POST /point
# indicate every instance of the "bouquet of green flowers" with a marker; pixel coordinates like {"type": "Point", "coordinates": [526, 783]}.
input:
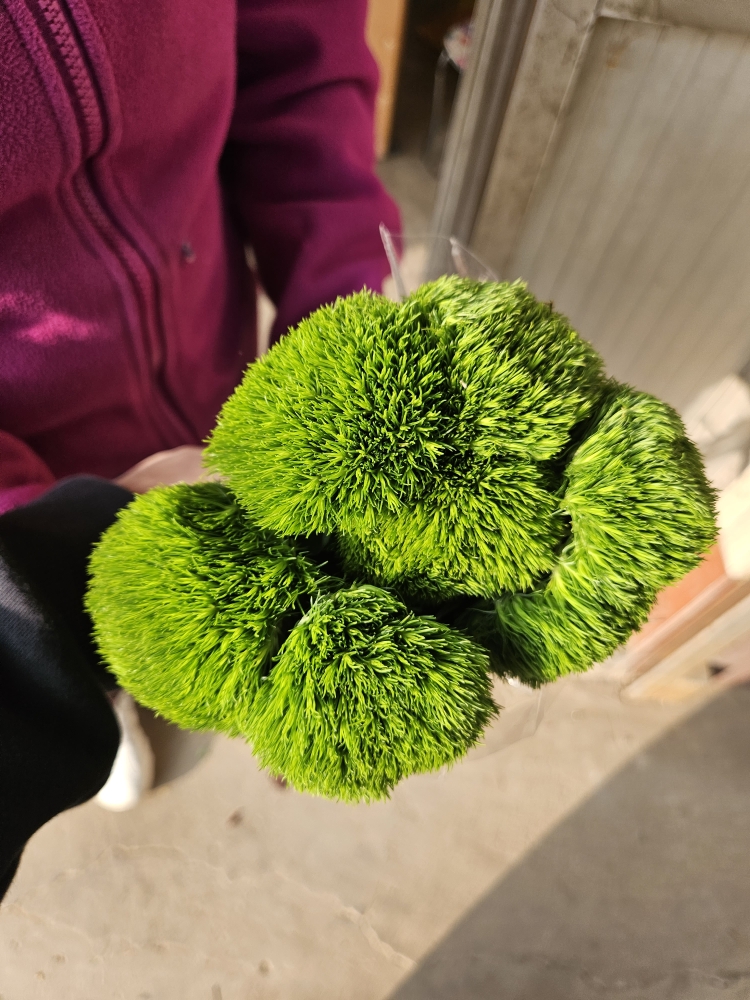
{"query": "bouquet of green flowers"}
{"type": "Point", "coordinates": [412, 496]}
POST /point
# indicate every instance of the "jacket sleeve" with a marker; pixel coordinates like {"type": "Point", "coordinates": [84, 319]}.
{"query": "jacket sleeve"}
{"type": "Point", "coordinates": [299, 164]}
{"type": "Point", "coordinates": [23, 475]}
{"type": "Point", "coordinates": [58, 735]}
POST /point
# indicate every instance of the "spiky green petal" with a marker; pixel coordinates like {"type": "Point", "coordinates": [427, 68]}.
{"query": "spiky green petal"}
{"type": "Point", "coordinates": [190, 601]}
{"type": "Point", "coordinates": [364, 693]}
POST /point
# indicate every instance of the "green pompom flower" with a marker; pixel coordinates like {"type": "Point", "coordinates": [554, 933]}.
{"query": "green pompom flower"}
{"type": "Point", "coordinates": [424, 435]}
{"type": "Point", "coordinates": [641, 514]}
{"type": "Point", "coordinates": [191, 600]}
{"type": "Point", "coordinates": [415, 494]}
{"type": "Point", "coordinates": [364, 693]}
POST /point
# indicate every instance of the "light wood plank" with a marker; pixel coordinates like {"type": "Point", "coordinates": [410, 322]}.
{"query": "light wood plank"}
{"type": "Point", "coordinates": [384, 32]}
{"type": "Point", "coordinates": [685, 672]}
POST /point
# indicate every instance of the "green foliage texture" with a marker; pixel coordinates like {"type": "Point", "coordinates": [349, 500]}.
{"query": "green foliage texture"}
{"type": "Point", "coordinates": [364, 692]}
{"type": "Point", "coordinates": [190, 600]}
{"type": "Point", "coordinates": [423, 435]}
{"type": "Point", "coordinates": [641, 514]}
{"type": "Point", "coordinates": [411, 494]}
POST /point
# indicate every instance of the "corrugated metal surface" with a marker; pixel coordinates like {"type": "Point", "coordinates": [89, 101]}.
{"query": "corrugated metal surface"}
{"type": "Point", "coordinates": [640, 227]}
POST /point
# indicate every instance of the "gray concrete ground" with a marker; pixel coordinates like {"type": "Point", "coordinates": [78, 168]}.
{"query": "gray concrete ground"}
{"type": "Point", "coordinates": [604, 857]}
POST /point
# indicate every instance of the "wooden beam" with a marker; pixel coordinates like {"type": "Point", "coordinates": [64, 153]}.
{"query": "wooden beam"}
{"type": "Point", "coordinates": [685, 672]}
{"type": "Point", "coordinates": [680, 613]}
{"type": "Point", "coordinates": [384, 31]}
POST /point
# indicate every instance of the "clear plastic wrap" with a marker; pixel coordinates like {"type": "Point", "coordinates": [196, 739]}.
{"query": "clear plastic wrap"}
{"type": "Point", "coordinates": [416, 259]}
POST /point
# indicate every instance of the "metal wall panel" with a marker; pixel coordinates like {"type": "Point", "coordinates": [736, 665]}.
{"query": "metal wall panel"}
{"type": "Point", "coordinates": [639, 228]}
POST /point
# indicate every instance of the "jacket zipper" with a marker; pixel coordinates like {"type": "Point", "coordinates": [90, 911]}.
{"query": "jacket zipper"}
{"type": "Point", "coordinates": [138, 280]}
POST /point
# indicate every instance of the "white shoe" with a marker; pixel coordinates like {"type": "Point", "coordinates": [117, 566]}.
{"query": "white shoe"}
{"type": "Point", "coordinates": [132, 773]}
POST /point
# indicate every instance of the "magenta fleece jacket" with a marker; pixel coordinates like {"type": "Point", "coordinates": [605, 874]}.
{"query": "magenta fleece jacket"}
{"type": "Point", "coordinates": [142, 144]}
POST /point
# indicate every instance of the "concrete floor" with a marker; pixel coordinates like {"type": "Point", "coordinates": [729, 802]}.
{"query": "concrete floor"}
{"type": "Point", "coordinates": [606, 856]}
{"type": "Point", "coordinates": [413, 186]}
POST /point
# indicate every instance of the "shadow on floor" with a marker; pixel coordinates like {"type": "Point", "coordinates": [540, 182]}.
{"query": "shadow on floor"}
{"type": "Point", "coordinates": [176, 751]}
{"type": "Point", "coordinates": [643, 893]}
